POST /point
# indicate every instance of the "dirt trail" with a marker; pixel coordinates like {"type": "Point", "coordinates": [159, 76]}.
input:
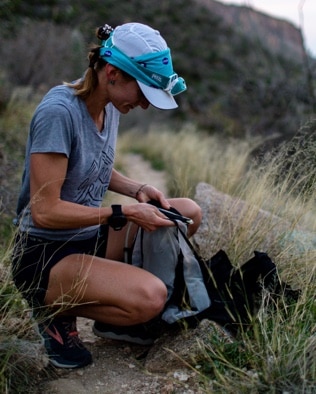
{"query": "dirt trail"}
{"type": "Point", "coordinates": [118, 367]}
{"type": "Point", "coordinates": [136, 168]}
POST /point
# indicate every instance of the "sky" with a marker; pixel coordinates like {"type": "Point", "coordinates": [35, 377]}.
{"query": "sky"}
{"type": "Point", "coordinates": [302, 13]}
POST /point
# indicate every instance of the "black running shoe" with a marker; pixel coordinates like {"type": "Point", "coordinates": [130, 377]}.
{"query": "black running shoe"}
{"type": "Point", "coordinates": [138, 334]}
{"type": "Point", "coordinates": [62, 343]}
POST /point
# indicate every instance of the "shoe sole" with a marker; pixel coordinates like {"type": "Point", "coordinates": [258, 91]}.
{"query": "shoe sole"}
{"type": "Point", "coordinates": [57, 364]}
{"type": "Point", "coordinates": [122, 337]}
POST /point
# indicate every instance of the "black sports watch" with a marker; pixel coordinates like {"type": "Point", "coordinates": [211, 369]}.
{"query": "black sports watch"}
{"type": "Point", "coordinates": [117, 220]}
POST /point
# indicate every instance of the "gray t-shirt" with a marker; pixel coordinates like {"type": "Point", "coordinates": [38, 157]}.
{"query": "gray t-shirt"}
{"type": "Point", "coordinates": [62, 124]}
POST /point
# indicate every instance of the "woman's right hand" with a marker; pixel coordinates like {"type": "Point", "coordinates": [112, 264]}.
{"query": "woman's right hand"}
{"type": "Point", "coordinates": [146, 216]}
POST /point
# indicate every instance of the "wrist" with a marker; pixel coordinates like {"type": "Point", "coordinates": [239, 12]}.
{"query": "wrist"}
{"type": "Point", "coordinates": [140, 190]}
{"type": "Point", "coordinates": [117, 220]}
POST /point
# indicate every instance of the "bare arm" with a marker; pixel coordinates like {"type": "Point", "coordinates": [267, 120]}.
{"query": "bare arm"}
{"type": "Point", "coordinates": [48, 173]}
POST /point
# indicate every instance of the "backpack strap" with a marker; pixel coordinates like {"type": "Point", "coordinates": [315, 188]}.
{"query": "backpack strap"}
{"type": "Point", "coordinates": [193, 276]}
{"type": "Point", "coordinates": [187, 241]}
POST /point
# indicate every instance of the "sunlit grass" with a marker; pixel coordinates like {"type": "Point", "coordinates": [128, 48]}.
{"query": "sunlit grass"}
{"type": "Point", "coordinates": [279, 354]}
{"type": "Point", "coordinates": [190, 156]}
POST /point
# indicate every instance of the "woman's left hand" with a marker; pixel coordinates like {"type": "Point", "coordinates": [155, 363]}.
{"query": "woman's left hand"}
{"type": "Point", "coordinates": [148, 192]}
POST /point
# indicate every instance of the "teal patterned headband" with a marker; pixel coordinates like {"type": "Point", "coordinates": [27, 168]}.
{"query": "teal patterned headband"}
{"type": "Point", "coordinates": [153, 69]}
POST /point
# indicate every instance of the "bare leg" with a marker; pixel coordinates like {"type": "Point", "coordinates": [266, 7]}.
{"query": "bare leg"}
{"type": "Point", "coordinates": [105, 290]}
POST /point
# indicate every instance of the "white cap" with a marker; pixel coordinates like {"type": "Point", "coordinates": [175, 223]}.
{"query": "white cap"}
{"type": "Point", "coordinates": [136, 39]}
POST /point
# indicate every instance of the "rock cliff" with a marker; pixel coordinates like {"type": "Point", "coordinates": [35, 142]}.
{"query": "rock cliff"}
{"type": "Point", "coordinates": [277, 35]}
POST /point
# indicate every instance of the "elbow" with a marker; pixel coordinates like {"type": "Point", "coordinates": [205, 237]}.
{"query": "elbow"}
{"type": "Point", "coordinates": [39, 219]}
{"type": "Point", "coordinates": [38, 222]}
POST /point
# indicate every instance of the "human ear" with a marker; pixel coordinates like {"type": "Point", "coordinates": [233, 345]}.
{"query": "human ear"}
{"type": "Point", "coordinates": [111, 73]}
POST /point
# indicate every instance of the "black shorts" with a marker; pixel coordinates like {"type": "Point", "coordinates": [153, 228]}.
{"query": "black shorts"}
{"type": "Point", "coordinates": [34, 257]}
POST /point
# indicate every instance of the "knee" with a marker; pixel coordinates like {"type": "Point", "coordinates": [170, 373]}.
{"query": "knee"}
{"type": "Point", "coordinates": [191, 209]}
{"type": "Point", "coordinates": [154, 297]}
{"type": "Point", "coordinates": [196, 212]}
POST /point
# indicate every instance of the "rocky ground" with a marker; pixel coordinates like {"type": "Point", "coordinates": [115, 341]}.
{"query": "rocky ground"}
{"type": "Point", "coordinates": [171, 365]}
{"type": "Point", "coordinates": [119, 367]}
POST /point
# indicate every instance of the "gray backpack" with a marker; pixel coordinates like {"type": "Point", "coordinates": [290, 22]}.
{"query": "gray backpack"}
{"type": "Point", "coordinates": [207, 289]}
{"type": "Point", "coordinates": [160, 252]}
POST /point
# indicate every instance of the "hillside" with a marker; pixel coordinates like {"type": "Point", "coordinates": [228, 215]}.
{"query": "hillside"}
{"type": "Point", "coordinates": [247, 73]}
{"type": "Point", "coordinates": [278, 36]}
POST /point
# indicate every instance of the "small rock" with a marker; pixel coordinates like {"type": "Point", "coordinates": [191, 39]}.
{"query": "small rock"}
{"type": "Point", "coordinates": [180, 375]}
